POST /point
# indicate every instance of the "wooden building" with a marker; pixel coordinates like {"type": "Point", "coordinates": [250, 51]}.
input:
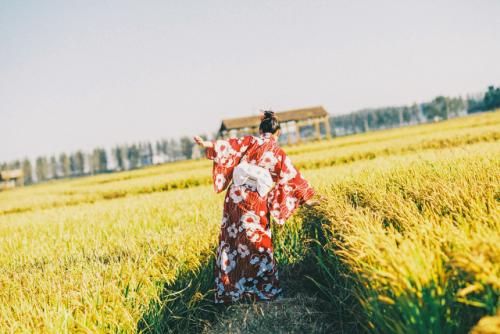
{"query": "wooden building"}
{"type": "Point", "coordinates": [11, 178]}
{"type": "Point", "coordinates": [294, 125]}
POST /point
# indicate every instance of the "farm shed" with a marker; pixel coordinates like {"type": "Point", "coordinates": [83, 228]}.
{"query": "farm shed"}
{"type": "Point", "coordinates": [11, 178]}
{"type": "Point", "coordinates": [294, 125]}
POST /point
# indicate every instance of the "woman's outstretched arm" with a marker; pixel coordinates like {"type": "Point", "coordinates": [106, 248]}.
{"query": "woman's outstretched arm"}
{"type": "Point", "coordinates": [203, 143]}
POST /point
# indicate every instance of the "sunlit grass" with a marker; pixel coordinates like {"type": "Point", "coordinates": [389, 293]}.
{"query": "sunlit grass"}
{"type": "Point", "coordinates": [410, 222]}
{"type": "Point", "coordinates": [422, 241]}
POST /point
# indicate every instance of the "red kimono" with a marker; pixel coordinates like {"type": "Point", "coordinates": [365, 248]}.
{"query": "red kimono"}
{"type": "Point", "coordinates": [245, 265]}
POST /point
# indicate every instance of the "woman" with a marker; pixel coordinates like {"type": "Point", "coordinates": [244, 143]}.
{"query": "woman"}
{"type": "Point", "coordinates": [262, 183]}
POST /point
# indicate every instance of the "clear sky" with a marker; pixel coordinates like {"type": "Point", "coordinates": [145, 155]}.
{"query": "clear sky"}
{"type": "Point", "coordinates": [80, 74]}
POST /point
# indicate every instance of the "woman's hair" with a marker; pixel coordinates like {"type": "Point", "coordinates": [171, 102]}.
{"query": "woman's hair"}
{"type": "Point", "coordinates": [269, 122]}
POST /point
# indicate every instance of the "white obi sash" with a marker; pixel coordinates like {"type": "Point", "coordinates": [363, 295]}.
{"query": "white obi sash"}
{"type": "Point", "coordinates": [254, 176]}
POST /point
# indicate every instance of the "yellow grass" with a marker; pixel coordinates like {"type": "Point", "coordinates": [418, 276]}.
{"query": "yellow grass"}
{"type": "Point", "coordinates": [93, 254]}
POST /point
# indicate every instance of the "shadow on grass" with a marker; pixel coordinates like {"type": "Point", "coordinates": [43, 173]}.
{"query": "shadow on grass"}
{"type": "Point", "coordinates": [186, 304]}
{"type": "Point", "coordinates": [358, 304]}
{"type": "Point", "coordinates": [305, 267]}
{"type": "Point", "coordinates": [329, 278]}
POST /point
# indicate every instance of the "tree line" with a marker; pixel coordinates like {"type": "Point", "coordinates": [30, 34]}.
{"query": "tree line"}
{"type": "Point", "coordinates": [131, 156]}
{"type": "Point", "coordinates": [99, 160]}
{"type": "Point", "coordinates": [440, 108]}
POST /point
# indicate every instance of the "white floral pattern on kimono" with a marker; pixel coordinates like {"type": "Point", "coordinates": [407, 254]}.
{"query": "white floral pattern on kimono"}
{"type": "Point", "coordinates": [245, 264]}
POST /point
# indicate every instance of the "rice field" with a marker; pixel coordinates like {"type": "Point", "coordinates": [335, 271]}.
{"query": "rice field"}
{"type": "Point", "coordinates": [406, 239]}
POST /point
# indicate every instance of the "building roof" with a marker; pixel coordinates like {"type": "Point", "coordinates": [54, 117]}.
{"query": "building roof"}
{"type": "Point", "coordinates": [11, 174]}
{"type": "Point", "coordinates": [283, 116]}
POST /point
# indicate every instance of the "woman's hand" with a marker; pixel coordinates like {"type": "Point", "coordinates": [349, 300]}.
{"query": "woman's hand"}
{"type": "Point", "coordinates": [311, 202]}
{"type": "Point", "coordinates": [315, 202]}
{"type": "Point", "coordinates": [203, 143]}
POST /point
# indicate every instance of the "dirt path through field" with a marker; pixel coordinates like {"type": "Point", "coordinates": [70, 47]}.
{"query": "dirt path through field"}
{"type": "Point", "coordinates": [298, 314]}
{"type": "Point", "coordinates": [301, 310]}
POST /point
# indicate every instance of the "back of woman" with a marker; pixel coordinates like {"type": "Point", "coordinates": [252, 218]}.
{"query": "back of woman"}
{"type": "Point", "coordinates": [262, 183]}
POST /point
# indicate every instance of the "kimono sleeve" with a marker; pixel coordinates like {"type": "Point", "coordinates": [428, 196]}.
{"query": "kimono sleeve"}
{"type": "Point", "coordinates": [290, 191]}
{"type": "Point", "coordinates": [226, 154]}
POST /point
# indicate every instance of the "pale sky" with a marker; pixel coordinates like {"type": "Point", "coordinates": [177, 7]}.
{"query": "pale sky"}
{"type": "Point", "coordinates": [80, 74]}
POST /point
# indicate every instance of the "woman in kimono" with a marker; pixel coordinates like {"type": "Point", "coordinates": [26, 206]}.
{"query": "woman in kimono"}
{"type": "Point", "coordinates": [265, 184]}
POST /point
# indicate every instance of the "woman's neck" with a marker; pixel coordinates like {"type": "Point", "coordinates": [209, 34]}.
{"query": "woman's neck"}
{"type": "Point", "coordinates": [269, 135]}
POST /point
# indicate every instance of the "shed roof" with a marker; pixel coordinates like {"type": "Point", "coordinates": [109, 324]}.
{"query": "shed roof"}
{"type": "Point", "coordinates": [283, 116]}
{"type": "Point", "coordinates": [11, 174]}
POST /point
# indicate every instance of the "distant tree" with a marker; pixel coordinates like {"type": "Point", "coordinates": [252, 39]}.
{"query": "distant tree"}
{"type": "Point", "coordinates": [53, 167]}
{"type": "Point", "coordinates": [159, 155]}
{"type": "Point", "coordinates": [89, 157]}
{"type": "Point", "coordinates": [125, 157]}
{"type": "Point", "coordinates": [437, 108]}
{"type": "Point", "coordinates": [65, 164]}
{"type": "Point", "coordinates": [87, 163]}
{"type": "Point", "coordinates": [133, 156]}
{"type": "Point", "coordinates": [142, 154]}
{"type": "Point", "coordinates": [173, 149]}
{"type": "Point", "coordinates": [103, 160]}
{"type": "Point", "coordinates": [407, 115]}
{"type": "Point", "coordinates": [27, 171]}
{"type": "Point", "coordinates": [94, 161]}
{"type": "Point", "coordinates": [99, 160]}
{"type": "Point", "coordinates": [492, 98]}
{"type": "Point", "coordinates": [16, 164]}
{"type": "Point", "coordinates": [117, 155]}
{"type": "Point", "coordinates": [165, 149]}
{"type": "Point", "coordinates": [366, 127]}
{"type": "Point", "coordinates": [159, 148]}
{"type": "Point", "coordinates": [186, 144]}
{"type": "Point", "coordinates": [430, 111]}
{"type": "Point", "coordinates": [41, 169]}
{"type": "Point", "coordinates": [475, 104]}
{"type": "Point", "coordinates": [72, 164]}
{"type": "Point", "coordinates": [443, 105]}
{"type": "Point", "coordinates": [149, 153]}
{"type": "Point", "coordinates": [456, 105]}
{"type": "Point", "coordinates": [415, 113]}
{"type": "Point", "coordinates": [79, 163]}
{"type": "Point", "coordinates": [146, 154]}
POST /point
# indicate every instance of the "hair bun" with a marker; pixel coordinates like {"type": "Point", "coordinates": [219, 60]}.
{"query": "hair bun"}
{"type": "Point", "coordinates": [268, 114]}
{"type": "Point", "coordinates": [269, 122]}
